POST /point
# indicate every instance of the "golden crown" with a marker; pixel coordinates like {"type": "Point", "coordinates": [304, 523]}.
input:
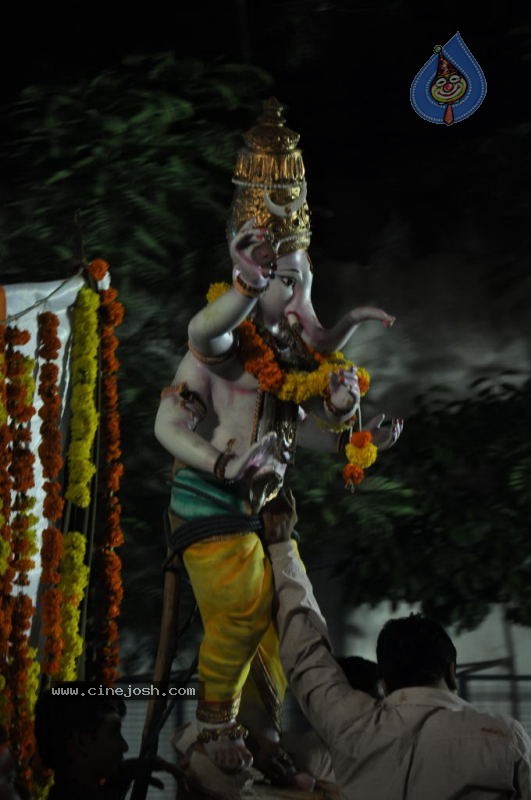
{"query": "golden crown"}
{"type": "Point", "coordinates": [270, 182]}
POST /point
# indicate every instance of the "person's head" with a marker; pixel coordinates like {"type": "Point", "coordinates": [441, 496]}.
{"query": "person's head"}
{"type": "Point", "coordinates": [362, 674]}
{"type": "Point", "coordinates": [415, 651]}
{"type": "Point", "coordinates": [79, 733]}
{"type": "Point", "coordinates": [7, 769]}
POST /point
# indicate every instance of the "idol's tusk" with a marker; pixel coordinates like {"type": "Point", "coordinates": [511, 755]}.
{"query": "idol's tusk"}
{"type": "Point", "coordinates": [288, 209]}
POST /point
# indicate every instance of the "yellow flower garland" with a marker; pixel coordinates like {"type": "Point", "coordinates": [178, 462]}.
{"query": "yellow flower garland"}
{"type": "Point", "coordinates": [363, 457]}
{"type": "Point", "coordinates": [84, 422]}
{"type": "Point", "coordinates": [73, 583]}
{"type": "Point", "coordinates": [300, 386]}
{"type": "Point", "coordinates": [296, 386]}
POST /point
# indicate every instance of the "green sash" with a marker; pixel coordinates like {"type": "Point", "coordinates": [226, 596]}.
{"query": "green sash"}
{"type": "Point", "coordinates": [195, 495]}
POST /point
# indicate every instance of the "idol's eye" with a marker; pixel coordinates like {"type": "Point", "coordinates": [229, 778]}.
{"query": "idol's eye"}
{"type": "Point", "coordinates": [440, 81]}
{"type": "Point", "coordinates": [453, 78]}
{"type": "Point", "coordinates": [288, 281]}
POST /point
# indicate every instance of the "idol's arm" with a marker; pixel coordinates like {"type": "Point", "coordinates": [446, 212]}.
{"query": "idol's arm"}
{"type": "Point", "coordinates": [182, 407]}
{"type": "Point", "coordinates": [210, 331]}
{"type": "Point", "coordinates": [311, 435]}
{"type": "Point", "coordinates": [324, 417]}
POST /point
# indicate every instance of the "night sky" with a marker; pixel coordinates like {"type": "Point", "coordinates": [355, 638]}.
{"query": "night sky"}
{"type": "Point", "coordinates": [434, 219]}
{"type": "Point", "coordinates": [344, 70]}
{"type": "Point", "coordinates": [429, 222]}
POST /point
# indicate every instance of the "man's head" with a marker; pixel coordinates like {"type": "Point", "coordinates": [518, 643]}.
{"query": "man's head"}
{"type": "Point", "coordinates": [362, 674]}
{"type": "Point", "coordinates": [415, 651]}
{"type": "Point", "coordinates": [80, 733]}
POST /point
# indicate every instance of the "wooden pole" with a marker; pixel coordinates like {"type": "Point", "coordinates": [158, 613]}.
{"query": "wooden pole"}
{"type": "Point", "coordinates": [161, 677]}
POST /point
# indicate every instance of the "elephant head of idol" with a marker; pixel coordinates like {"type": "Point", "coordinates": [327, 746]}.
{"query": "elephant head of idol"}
{"type": "Point", "coordinates": [270, 188]}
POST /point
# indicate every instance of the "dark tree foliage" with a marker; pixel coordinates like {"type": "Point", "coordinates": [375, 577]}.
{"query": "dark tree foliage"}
{"type": "Point", "coordinates": [146, 153]}
{"type": "Point", "coordinates": [451, 531]}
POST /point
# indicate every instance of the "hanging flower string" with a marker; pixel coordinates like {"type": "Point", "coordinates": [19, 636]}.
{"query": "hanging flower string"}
{"type": "Point", "coordinates": [361, 454]}
{"type": "Point", "coordinates": [84, 421]}
{"type": "Point", "coordinates": [5, 476]}
{"type": "Point", "coordinates": [24, 681]}
{"type": "Point", "coordinates": [72, 585]}
{"type": "Point", "coordinates": [50, 453]}
{"type": "Point", "coordinates": [6, 539]}
{"type": "Point", "coordinates": [107, 562]}
{"type": "Point", "coordinates": [297, 386]}
{"type": "Point", "coordinates": [22, 665]}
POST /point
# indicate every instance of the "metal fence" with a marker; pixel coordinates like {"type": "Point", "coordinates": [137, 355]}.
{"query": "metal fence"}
{"type": "Point", "coordinates": [499, 694]}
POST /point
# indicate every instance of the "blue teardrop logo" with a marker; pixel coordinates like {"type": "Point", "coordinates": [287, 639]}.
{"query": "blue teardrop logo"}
{"type": "Point", "coordinates": [450, 86]}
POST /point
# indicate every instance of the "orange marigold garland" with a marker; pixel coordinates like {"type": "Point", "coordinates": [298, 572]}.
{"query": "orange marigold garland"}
{"type": "Point", "coordinates": [24, 677]}
{"type": "Point", "coordinates": [296, 386]}
{"type": "Point", "coordinates": [50, 453]}
{"type": "Point", "coordinates": [98, 269]}
{"type": "Point", "coordinates": [6, 539]}
{"type": "Point", "coordinates": [22, 666]}
{"type": "Point", "coordinates": [108, 563]}
{"type": "Point", "coordinates": [20, 393]}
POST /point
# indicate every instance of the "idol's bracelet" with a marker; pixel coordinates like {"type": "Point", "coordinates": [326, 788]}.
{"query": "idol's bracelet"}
{"type": "Point", "coordinates": [336, 413]}
{"type": "Point", "coordinates": [247, 289]}
{"type": "Point", "coordinates": [221, 465]}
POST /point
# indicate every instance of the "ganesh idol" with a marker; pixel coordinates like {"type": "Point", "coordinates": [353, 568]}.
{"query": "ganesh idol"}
{"type": "Point", "coordinates": [261, 378]}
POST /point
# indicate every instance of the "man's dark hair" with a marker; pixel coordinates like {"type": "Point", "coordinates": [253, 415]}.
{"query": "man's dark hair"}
{"type": "Point", "coordinates": [361, 673]}
{"type": "Point", "coordinates": [59, 716]}
{"type": "Point", "coordinates": [414, 651]}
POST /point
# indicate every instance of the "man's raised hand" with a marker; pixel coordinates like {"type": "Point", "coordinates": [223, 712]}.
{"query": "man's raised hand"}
{"type": "Point", "coordinates": [279, 517]}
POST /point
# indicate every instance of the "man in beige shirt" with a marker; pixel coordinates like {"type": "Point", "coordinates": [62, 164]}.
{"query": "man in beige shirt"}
{"type": "Point", "coordinates": [421, 742]}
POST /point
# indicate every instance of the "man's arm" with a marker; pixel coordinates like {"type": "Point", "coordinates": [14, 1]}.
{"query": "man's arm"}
{"type": "Point", "coordinates": [315, 677]}
{"type": "Point", "coordinates": [521, 745]}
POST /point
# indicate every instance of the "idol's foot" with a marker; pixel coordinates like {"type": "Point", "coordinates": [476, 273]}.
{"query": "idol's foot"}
{"type": "Point", "coordinates": [278, 766]}
{"type": "Point", "coordinates": [226, 748]}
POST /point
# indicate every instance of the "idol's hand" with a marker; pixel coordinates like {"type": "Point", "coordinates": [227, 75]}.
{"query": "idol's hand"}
{"type": "Point", "coordinates": [384, 437]}
{"type": "Point", "coordinates": [260, 456]}
{"type": "Point", "coordinates": [252, 255]}
{"type": "Point", "coordinates": [343, 395]}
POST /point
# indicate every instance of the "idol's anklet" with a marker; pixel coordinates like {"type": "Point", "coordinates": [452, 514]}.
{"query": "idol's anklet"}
{"type": "Point", "coordinates": [232, 732]}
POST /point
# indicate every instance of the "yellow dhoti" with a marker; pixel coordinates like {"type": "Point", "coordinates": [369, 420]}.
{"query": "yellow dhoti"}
{"type": "Point", "coordinates": [232, 581]}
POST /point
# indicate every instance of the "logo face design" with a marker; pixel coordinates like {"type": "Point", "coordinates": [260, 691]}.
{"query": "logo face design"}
{"type": "Point", "coordinates": [450, 86]}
